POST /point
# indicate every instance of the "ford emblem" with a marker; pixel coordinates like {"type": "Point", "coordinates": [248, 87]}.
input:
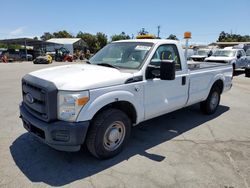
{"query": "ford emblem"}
{"type": "Point", "coordinates": [29, 98]}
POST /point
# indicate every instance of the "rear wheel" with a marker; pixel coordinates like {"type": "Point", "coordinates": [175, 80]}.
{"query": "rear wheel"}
{"type": "Point", "coordinates": [210, 105]}
{"type": "Point", "coordinates": [108, 133]}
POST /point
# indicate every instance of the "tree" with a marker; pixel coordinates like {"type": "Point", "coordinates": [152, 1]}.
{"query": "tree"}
{"type": "Point", "coordinates": [142, 32]}
{"type": "Point", "coordinates": [47, 36]}
{"type": "Point", "coordinates": [35, 38]}
{"type": "Point", "coordinates": [172, 37]}
{"type": "Point", "coordinates": [226, 37]}
{"type": "Point", "coordinates": [3, 45]}
{"type": "Point", "coordinates": [90, 39]}
{"type": "Point", "coordinates": [62, 34]}
{"type": "Point", "coordinates": [59, 34]}
{"type": "Point", "coordinates": [121, 36]}
{"type": "Point", "coordinates": [222, 36]}
{"type": "Point", "coordinates": [10, 46]}
{"type": "Point", "coordinates": [102, 40]}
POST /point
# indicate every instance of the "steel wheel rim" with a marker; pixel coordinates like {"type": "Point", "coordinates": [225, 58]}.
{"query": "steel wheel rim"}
{"type": "Point", "coordinates": [114, 136]}
{"type": "Point", "coordinates": [214, 100]}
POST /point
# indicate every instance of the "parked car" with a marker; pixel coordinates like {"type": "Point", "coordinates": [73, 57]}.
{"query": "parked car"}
{"type": "Point", "coordinates": [248, 55]}
{"type": "Point", "coordinates": [11, 54]}
{"type": "Point", "coordinates": [245, 47]}
{"type": "Point", "coordinates": [236, 57]}
{"type": "Point", "coordinates": [247, 70]}
{"type": "Point", "coordinates": [16, 55]}
{"type": "Point", "coordinates": [27, 57]}
{"type": "Point", "coordinates": [125, 83]}
{"type": "Point", "coordinates": [201, 54]}
{"type": "Point", "coordinates": [46, 59]}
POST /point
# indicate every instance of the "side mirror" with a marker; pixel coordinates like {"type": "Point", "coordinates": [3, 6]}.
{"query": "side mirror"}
{"type": "Point", "coordinates": [167, 70]}
{"type": "Point", "coordinates": [238, 56]}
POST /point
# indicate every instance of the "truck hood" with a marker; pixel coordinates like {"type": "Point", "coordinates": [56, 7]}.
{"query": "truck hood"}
{"type": "Point", "coordinates": [218, 58]}
{"type": "Point", "coordinates": [82, 76]}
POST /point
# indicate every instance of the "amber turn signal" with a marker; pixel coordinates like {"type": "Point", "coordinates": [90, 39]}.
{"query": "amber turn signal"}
{"type": "Point", "coordinates": [82, 101]}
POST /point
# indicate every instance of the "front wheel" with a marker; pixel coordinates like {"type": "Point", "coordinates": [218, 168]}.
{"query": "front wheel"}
{"type": "Point", "coordinates": [210, 105]}
{"type": "Point", "coordinates": [108, 133]}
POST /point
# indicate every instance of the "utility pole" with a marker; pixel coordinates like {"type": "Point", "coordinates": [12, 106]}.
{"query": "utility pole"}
{"type": "Point", "coordinates": [158, 32]}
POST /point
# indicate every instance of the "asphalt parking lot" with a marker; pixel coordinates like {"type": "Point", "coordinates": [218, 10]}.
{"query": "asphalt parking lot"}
{"type": "Point", "coordinates": [180, 149]}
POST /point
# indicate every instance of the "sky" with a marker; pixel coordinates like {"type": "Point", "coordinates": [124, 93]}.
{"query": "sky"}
{"type": "Point", "coordinates": [205, 19]}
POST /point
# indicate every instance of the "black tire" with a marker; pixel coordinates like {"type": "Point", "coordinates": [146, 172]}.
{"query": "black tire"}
{"type": "Point", "coordinates": [58, 59]}
{"type": "Point", "coordinates": [210, 105]}
{"type": "Point", "coordinates": [247, 72]}
{"type": "Point", "coordinates": [101, 128]}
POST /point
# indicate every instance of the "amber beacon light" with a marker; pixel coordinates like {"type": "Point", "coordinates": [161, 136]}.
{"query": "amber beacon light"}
{"type": "Point", "coordinates": [187, 35]}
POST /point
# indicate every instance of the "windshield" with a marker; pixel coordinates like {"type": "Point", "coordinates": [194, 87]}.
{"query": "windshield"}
{"type": "Point", "coordinates": [202, 52]}
{"type": "Point", "coordinates": [127, 55]}
{"type": "Point", "coordinates": [224, 53]}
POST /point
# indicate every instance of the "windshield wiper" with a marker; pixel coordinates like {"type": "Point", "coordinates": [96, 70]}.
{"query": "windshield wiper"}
{"type": "Point", "coordinates": [107, 65]}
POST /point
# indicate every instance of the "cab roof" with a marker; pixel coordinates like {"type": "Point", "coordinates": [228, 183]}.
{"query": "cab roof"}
{"type": "Point", "coordinates": [154, 41]}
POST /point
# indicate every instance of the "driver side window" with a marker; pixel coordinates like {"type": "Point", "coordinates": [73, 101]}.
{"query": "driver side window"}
{"type": "Point", "coordinates": [167, 52]}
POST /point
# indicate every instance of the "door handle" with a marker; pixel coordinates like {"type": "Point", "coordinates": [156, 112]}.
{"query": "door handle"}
{"type": "Point", "coordinates": [183, 80]}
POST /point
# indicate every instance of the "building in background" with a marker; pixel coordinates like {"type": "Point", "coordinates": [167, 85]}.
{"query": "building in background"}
{"type": "Point", "coordinates": [24, 48]}
{"type": "Point", "coordinates": [243, 45]}
{"type": "Point", "coordinates": [72, 44]}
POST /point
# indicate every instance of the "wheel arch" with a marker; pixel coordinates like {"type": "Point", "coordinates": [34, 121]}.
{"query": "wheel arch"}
{"type": "Point", "coordinates": [122, 100]}
{"type": "Point", "coordinates": [124, 106]}
{"type": "Point", "coordinates": [218, 83]}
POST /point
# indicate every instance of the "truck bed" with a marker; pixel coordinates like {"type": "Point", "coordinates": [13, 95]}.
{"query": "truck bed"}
{"type": "Point", "coordinates": [194, 65]}
{"type": "Point", "coordinates": [203, 75]}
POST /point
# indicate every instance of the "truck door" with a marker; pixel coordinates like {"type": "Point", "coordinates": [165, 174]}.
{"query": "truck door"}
{"type": "Point", "coordinates": [240, 61]}
{"type": "Point", "coordinates": [243, 59]}
{"type": "Point", "coordinates": [162, 96]}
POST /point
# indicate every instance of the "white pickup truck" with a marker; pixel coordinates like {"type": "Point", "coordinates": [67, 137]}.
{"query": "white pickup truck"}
{"type": "Point", "coordinates": [125, 83]}
{"type": "Point", "coordinates": [201, 54]}
{"type": "Point", "coordinates": [235, 57]}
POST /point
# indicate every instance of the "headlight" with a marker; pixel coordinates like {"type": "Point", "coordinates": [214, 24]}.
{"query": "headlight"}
{"type": "Point", "coordinates": [69, 104]}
